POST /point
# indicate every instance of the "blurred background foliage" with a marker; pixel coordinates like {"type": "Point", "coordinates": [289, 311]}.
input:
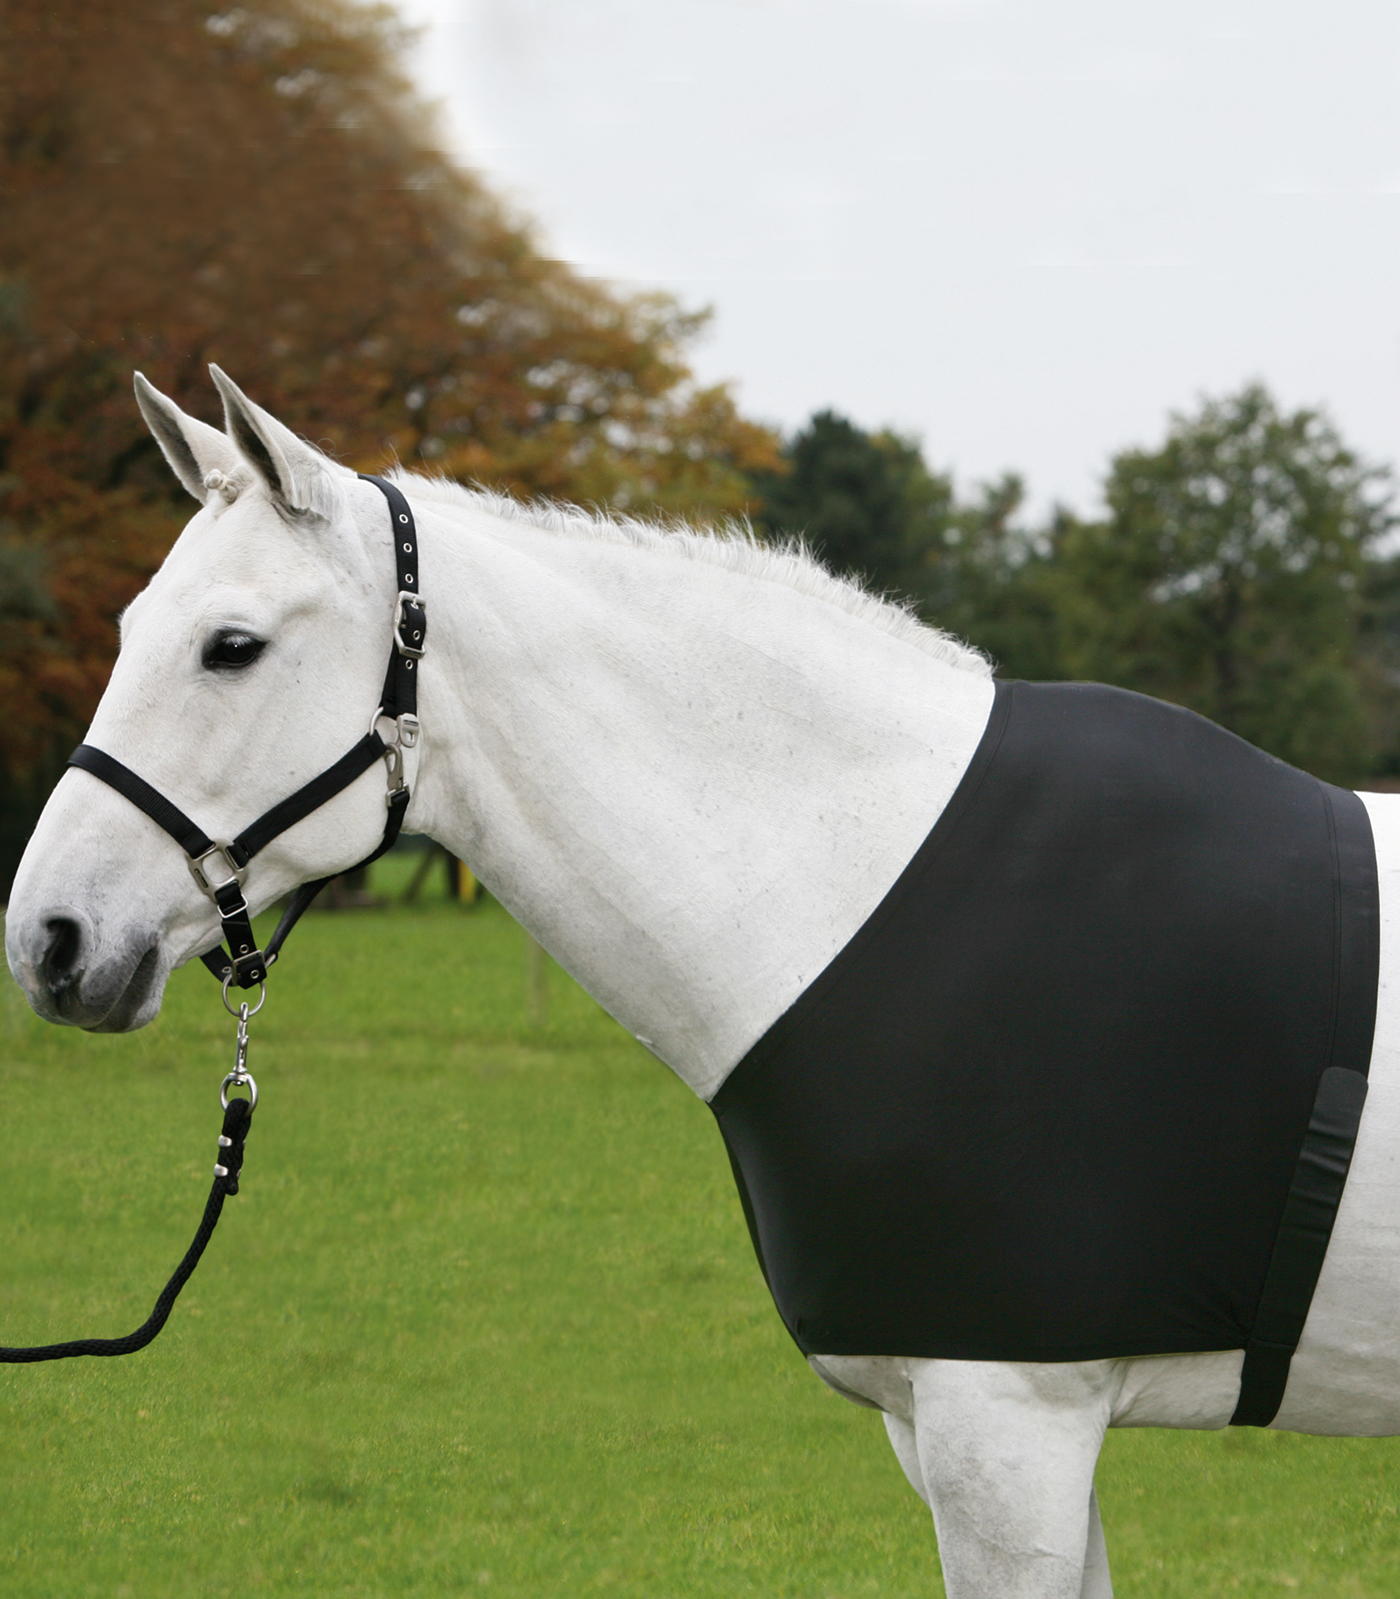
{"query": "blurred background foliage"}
{"type": "Point", "coordinates": [1245, 568]}
{"type": "Point", "coordinates": [259, 186]}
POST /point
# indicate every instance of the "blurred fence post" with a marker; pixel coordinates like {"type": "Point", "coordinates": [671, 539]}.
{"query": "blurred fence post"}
{"type": "Point", "coordinates": [461, 883]}
{"type": "Point", "coordinates": [420, 874]}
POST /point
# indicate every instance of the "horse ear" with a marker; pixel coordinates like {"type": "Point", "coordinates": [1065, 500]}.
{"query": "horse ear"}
{"type": "Point", "coordinates": [301, 481]}
{"type": "Point", "coordinates": [193, 448]}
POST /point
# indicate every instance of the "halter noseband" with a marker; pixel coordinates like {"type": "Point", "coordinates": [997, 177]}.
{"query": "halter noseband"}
{"type": "Point", "coordinates": [219, 867]}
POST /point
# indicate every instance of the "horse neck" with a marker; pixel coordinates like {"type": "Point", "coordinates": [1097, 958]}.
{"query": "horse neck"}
{"type": "Point", "coordinates": [691, 785]}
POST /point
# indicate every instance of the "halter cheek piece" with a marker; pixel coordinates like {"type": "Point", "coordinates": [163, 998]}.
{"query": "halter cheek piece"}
{"type": "Point", "coordinates": [219, 867]}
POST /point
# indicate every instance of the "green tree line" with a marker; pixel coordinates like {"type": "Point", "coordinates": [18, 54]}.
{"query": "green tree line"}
{"type": "Point", "coordinates": [1242, 568]}
{"type": "Point", "coordinates": [259, 185]}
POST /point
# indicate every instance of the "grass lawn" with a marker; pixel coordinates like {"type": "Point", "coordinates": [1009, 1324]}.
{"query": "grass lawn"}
{"type": "Point", "coordinates": [485, 1318]}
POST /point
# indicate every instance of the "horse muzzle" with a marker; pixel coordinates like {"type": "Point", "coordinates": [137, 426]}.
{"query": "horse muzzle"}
{"type": "Point", "coordinates": [68, 976]}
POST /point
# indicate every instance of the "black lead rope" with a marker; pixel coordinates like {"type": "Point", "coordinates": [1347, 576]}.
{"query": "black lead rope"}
{"type": "Point", "coordinates": [237, 1118]}
{"type": "Point", "coordinates": [246, 966]}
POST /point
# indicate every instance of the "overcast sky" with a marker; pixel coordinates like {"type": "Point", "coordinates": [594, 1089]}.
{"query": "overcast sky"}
{"type": "Point", "coordinates": [1021, 231]}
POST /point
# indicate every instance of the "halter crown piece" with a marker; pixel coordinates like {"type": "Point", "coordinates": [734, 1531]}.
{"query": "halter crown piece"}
{"type": "Point", "coordinates": [218, 866]}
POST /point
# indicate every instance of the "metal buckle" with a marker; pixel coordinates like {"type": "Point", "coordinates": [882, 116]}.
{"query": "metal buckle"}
{"type": "Point", "coordinates": [406, 598]}
{"type": "Point", "coordinates": [407, 730]}
{"type": "Point", "coordinates": [201, 877]}
{"type": "Point", "coordinates": [254, 958]}
{"type": "Point", "coordinates": [228, 912]}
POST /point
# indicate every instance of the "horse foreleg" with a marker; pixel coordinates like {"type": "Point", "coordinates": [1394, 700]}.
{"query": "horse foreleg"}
{"type": "Point", "coordinates": [1097, 1583]}
{"type": "Point", "coordinates": [1006, 1456]}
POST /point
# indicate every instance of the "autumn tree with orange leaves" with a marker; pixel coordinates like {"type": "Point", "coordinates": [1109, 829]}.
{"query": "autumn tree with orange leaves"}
{"type": "Point", "coordinates": [258, 186]}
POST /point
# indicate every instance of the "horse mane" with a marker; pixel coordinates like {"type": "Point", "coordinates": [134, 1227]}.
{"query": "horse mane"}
{"type": "Point", "coordinates": [731, 545]}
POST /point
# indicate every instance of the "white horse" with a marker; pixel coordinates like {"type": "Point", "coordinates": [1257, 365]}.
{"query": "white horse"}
{"type": "Point", "coordinates": [691, 767]}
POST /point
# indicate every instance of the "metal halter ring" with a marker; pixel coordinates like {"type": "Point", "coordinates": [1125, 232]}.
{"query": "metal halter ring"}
{"type": "Point", "coordinates": [236, 873]}
{"type": "Point", "coordinates": [239, 1080]}
{"type": "Point", "coordinates": [243, 1007]}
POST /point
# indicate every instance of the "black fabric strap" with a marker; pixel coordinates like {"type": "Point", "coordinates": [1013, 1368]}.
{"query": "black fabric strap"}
{"type": "Point", "coordinates": [1321, 1173]}
{"type": "Point", "coordinates": [310, 797]}
{"type": "Point", "coordinates": [141, 794]}
{"type": "Point", "coordinates": [248, 964]}
{"type": "Point", "coordinates": [1301, 1245]}
{"type": "Point", "coordinates": [243, 962]}
{"type": "Point", "coordinates": [300, 901]}
{"type": "Point", "coordinates": [237, 1118]}
{"type": "Point", "coordinates": [400, 696]}
{"type": "Point", "coordinates": [218, 962]}
{"type": "Point", "coordinates": [254, 966]}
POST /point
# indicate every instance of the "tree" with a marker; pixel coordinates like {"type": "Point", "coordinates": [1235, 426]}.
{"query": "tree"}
{"type": "Point", "coordinates": [864, 502]}
{"type": "Point", "coordinates": [991, 580]}
{"type": "Point", "coordinates": [1378, 661]}
{"type": "Point", "coordinates": [868, 504]}
{"type": "Point", "coordinates": [258, 186]}
{"type": "Point", "coordinates": [1227, 577]}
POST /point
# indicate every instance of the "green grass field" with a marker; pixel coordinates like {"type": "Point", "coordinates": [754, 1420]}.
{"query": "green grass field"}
{"type": "Point", "coordinates": [485, 1318]}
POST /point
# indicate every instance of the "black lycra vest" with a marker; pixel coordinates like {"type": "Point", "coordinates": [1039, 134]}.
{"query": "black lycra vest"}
{"type": "Point", "coordinates": [1063, 1096]}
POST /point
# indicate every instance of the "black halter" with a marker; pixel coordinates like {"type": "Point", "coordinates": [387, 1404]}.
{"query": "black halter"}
{"type": "Point", "coordinates": [219, 867]}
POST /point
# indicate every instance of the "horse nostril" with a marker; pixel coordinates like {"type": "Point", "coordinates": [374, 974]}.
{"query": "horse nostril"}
{"type": "Point", "coordinates": [60, 967]}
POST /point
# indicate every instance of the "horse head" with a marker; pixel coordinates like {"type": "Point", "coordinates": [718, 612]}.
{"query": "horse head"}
{"type": "Point", "coordinates": [249, 663]}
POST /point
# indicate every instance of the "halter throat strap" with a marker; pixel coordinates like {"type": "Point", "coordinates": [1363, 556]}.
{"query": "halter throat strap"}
{"type": "Point", "coordinates": [219, 867]}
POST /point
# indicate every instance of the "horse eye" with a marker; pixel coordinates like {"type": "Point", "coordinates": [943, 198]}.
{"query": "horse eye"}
{"type": "Point", "coordinates": [232, 650]}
